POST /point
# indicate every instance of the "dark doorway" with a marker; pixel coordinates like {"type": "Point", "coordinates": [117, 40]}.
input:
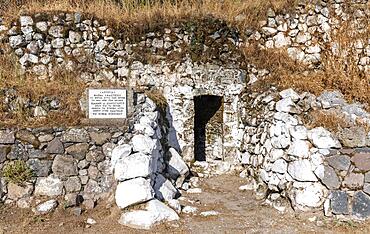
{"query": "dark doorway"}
{"type": "Point", "coordinates": [206, 106]}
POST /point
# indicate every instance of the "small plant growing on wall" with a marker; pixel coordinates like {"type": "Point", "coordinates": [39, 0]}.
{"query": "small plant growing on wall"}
{"type": "Point", "coordinates": [17, 172]}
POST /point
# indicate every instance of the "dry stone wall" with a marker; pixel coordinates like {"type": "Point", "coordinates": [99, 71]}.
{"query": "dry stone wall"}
{"type": "Point", "coordinates": [74, 162]}
{"type": "Point", "coordinates": [313, 168]}
{"type": "Point", "coordinates": [82, 166]}
{"type": "Point", "coordinates": [331, 27]}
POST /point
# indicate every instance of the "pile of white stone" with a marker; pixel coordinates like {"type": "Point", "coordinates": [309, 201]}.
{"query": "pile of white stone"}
{"type": "Point", "coordinates": [147, 173]}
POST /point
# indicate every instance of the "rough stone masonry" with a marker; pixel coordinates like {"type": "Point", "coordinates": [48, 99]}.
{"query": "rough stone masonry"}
{"type": "Point", "coordinates": [292, 164]}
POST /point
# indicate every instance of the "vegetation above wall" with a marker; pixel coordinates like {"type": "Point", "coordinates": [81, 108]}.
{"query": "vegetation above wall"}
{"type": "Point", "coordinates": [132, 20]}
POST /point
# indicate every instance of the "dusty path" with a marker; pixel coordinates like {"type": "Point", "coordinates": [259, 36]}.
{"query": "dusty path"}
{"type": "Point", "coordinates": [239, 212]}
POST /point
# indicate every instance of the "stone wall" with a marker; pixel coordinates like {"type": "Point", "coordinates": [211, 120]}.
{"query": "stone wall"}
{"type": "Point", "coordinates": [81, 166]}
{"type": "Point", "coordinates": [331, 27]}
{"type": "Point", "coordinates": [312, 167]}
{"type": "Point", "coordinates": [164, 59]}
{"type": "Point", "coordinates": [74, 162]}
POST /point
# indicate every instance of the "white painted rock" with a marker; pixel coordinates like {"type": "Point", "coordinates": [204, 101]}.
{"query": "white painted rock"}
{"type": "Point", "coordinates": [298, 132]}
{"type": "Point", "coordinates": [176, 165]}
{"type": "Point", "coordinates": [189, 210]}
{"type": "Point", "coordinates": [49, 186]}
{"type": "Point", "coordinates": [174, 204]}
{"type": "Point", "coordinates": [286, 118]}
{"type": "Point", "coordinates": [308, 195]}
{"type": "Point", "coordinates": [287, 105]}
{"type": "Point", "coordinates": [155, 213]}
{"type": "Point", "coordinates": [146, 129]}
{"type": "Point", "coordinates": [279, 166]}
{"type": "Point", "coordinates": [323, 139]}
{"type": "Point", "coordinates": [248, 187]}
{"type": "Point", "coordinates": [143, 144]}
{"type": "Point", "coordinates": [194, 190]}
{"type": "Point", "coordinates": [132, 166]}
{"type": "Point", "coordinates": [301, 170]}
{"type": "Point", "coordinates": [90, 221]}
{"type": "Point", "coordinates": [119, 152]}
{"type": "Point", "coordinates": [46, 207]}
{"type": "Point", "coordinates": [132, 192]}
{"type": "Point", "coordinates": [290, 93]}
{"type": "Point", "coordinates": [281, 40]}
{"type": "Point", "coordinates": [299, 148]}
{"type": "Point", "coordinates": [209, 213]}
{"type": "Point", "coordinates": [164, 189]}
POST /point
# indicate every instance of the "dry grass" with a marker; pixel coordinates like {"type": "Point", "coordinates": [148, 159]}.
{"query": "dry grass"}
{"type": "Point", "coordinates": [337, 71]}
{"type": "Point", "coordinates": [66, 87]}
{"type": "Point", "coordinates": [153, 13]}
{"type": "Point", "coordinates": [327, 119]}
{"type": "Point", "coordinates": [138, 16]}
{"type": "Point", "coordinates": [332, 120]}
{"type": "Point", "coordinates": [157, 97]}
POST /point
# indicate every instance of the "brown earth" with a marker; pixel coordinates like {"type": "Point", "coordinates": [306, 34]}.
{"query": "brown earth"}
{"type": "Point", "coordinates": [239, 212]}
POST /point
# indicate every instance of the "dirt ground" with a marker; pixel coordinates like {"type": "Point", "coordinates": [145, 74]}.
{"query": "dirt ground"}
{"type": "Point", "coordinates": [239, 212]}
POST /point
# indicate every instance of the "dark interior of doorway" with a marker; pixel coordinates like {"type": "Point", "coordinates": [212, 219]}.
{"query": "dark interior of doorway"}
{"type": "Point", "coordinates": [205, 107]}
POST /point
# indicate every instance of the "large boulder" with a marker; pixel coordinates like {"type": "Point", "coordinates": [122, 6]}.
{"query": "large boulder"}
{"type": "Point", "coordinates": [307, 195]}
{"type": "Point", "coordinates": [339, 202]}
{"type": "Point", "coordinates": [131, 192]}
{"type": "Point", "coordinates": [119, 152]}
{"type": "Point", "coordinates": [301, 170]}
{"type": "Point", "coordinates": [49, 186]}
{"type": "Point", "coordinates": [362, 161]}
{"type": "Point", "coordinates": [143, 144]}
{"type": "Point", "coordinates": [330, 178]}
{"type": "Point", "coordinates": [353, 181]}
{"type": "Point", "coordinates": [323, 139]}
{"type": "Point", "coordinates": [299, 148]}
{"type": "Point", "coordinates": [55, 147]}
{"type": "Point", "coordinates": [16, 192]}
{"type": "Point", "coordinates": [27, 137]}
{"type": "Point", "coordinates": [4, 151]}
{"type": "Point", "coordinates": [40, 168]}
{"type": "Point", "coordinates": [164, 189]}
{"type": "Point", "coordinates": [132, 166]}
{"type": "Point", "coordinates": [339, 162]}
{"type": "Point", "coordinates": [361, 205]}
{"type": "Point", "coordinates": [72, 184]}
{"type": "Point", "coordinates": [78, 150]}
{"type": "Point", "coordinates": [100, 138]}
{"type": "Point", "coordinates": [353, 137]}
{"type": "Point", "coordinates": [288, 106]}
{"type": "Point", "coordinates": [155, 213]}
{"type": "Point", "coordinates": [64, 165]}
{"type": "Point", "coordinates": [45, 207]}
{"type": "Point", "coordinates": [7, 137]}
{"type": "Point", "coordinates": [176, 165]}
{"type": "Point", "coordinates": [331, 99]}
{"type": "Point", "coordinates": [76, 135]}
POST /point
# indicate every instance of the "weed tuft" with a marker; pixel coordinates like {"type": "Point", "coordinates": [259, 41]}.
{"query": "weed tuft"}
{"type": "Point", "coordinates": [17, 172]}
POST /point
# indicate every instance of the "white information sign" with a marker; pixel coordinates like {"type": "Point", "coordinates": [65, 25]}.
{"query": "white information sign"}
{"type": "Point", "coordinates": [107, 103]}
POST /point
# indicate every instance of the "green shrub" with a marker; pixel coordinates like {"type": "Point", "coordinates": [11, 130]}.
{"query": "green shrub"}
{"type": "Point", "coordinates": [17, 172]}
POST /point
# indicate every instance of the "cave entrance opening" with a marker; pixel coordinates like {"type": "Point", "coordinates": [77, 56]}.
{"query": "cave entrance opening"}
{"type": "Point", "coordinates": [208, 127]}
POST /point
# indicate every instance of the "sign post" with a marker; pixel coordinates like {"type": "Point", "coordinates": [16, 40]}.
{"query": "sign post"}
{"type": "Point", "coordinates": [107, 103]}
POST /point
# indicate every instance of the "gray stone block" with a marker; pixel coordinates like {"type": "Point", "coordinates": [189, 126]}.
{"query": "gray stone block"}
{"type": "Point", "coordinates": [339, 162]}
{"type": "Point", "coordinates": [339, 202]}
{"type": "Point", "coordinates": [331, 180]}
{"type": "Point", "coordinates": [361, 205]}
